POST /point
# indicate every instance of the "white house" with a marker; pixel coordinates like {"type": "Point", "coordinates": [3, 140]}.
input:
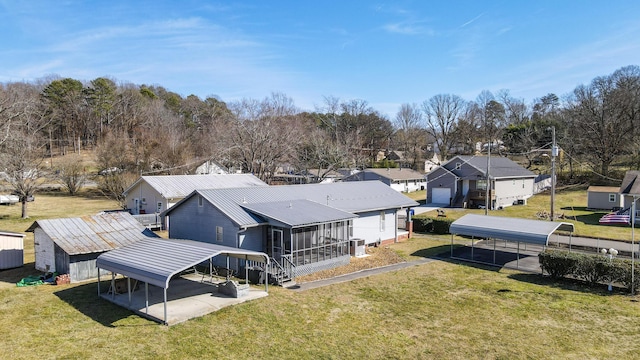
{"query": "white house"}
{"type": "Point", "coordinates": [155, 194]}
{"type": "Point", "coordinates": [399, 179]}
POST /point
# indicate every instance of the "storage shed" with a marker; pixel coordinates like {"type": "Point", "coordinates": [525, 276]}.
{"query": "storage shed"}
{"type": "Point", "coordinates": [604, 197]}
{"type": "Point", "coordinates": [71, 245]}
{"type": "Point", "coordinates": [11, 250]}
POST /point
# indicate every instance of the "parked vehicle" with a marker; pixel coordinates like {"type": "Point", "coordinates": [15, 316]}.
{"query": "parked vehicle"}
{"type": "Point", "coordinates": [8, 199]}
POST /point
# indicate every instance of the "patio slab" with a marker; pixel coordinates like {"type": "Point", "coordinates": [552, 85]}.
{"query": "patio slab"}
{"type": "Point", "coordinates": [188, 297]}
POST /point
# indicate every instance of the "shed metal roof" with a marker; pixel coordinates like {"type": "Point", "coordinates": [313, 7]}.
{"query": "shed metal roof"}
{"type": "Point", "coordinates": [91, 234]}
{"type": "Point", "coordinates": [179, 186]}
{"type": "Point", "coordinates": [604, 189]}
{"type": "Point", "coordinates": [513, 229]}
{"type": "Point", "coordinates": [296, 213]}
{"type": "Point", "coordinates": [396, 173]}
{"type": "Point", "coordinates": [11, 233]}
{"type": "Point", "coordinates": [155, 260]}
{"type": "Point", "coordinates": [353, 197]}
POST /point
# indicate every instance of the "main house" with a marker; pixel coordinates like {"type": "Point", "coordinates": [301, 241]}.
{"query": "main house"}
{"type": "Point", "coordinates": [399, 179]}
{"type": "Point", "coordinates": [462, 182]}
{"type": "Point", "coordinates": [155, 194]}
{"type": "Point", "coordinates": [303, 228]}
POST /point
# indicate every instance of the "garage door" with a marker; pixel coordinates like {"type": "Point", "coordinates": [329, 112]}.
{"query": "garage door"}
{"type": "Point", "coordinates": [440, 195]}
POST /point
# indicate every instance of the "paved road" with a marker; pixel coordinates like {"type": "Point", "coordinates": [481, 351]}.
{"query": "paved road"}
{"type": "Point", "coordinates": [593, 244]}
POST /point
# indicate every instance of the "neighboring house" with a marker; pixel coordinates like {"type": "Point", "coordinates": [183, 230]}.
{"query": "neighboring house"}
{"type": "Point", "coordinates": [399, 179]}
{"type": "Point", "coordinates": [303, 228]}
{"type": "Point", "coordinates": [432, 163]}
{"type": "Point", "coordinates": [462, 182]}
{"type": "Point", "coordinates": [210, 167]}
{"type": "Point", "coordinates": [155, 194]}
{"type": "Point", "coordinates": [11, 250]}
{"type": "Point", "coordinates": [71, 245]}
{"type": "Point", "coordinates": [630, 190]}
{"type": "Point", "coordinates": [604, 198]}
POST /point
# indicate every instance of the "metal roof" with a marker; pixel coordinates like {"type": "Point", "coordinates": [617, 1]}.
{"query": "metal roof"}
{"type": "Point", "coordinates": [353, 197]}
{"type": "Point", "coordinates": [179, 186]}
{"type": "Point", "coordinates": [155, 260]}
{"type": "Point", "coordinates": [630, 183]}
{"type": "Point", "coordinates": [395, 173]}
{"type": "Point", "coordinates": [501, 167]}
{"type": "Point", "coordinates": [91, 234]}
{"type": "Point", "coordinates": [296, 213]}
{"type": "Point", "coordinates": [11, 233]}
{"type": "Point", "coordinates": [604, 189]}
{"type": "Point", "coordinates": [513, 229]}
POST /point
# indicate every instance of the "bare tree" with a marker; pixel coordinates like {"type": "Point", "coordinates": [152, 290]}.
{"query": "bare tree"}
{"type": "Point", "coordinates": [114, 184]}
{"type": "Point", "coordinates": [443, 112]}
{"type": "Point", "coordinates": [409, 133]}
{"type": "Point", "coordinates": [71, 173]}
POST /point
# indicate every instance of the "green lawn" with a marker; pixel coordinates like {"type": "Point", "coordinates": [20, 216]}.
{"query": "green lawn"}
{"type": "Point", "coordinates": [438, 310]}
{"type": "Point", "coordinates": [570, 203]}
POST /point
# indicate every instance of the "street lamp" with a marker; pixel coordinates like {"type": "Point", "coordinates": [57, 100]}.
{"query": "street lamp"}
{"type": "Point", "coordinates": [612, 253]}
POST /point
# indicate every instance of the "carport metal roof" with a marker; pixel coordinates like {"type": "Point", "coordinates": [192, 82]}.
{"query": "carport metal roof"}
{"type": "Point", "coordinates": [512, 229]}
{"type": "Point", "coordinates": [155, 261]}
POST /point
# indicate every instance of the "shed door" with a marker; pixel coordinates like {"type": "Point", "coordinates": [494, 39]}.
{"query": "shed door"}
{"type": "Point", "coordinates": [440, 195]}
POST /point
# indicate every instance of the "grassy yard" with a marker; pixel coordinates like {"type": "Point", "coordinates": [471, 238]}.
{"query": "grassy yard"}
{"type": "Point", "coordinates": [436, 310]}
{"type": "Point", "coordinates": [570, 203]}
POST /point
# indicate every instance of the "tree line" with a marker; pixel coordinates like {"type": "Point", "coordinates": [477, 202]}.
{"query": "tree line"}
{"type": "Point", "coordinates": [147, 129]}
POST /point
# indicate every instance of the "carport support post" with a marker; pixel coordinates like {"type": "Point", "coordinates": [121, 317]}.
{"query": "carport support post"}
{"type": "Point", "coordinates": [113, 285]}
{"type": "Point", "coordinates": [165, 306]}
{"type": "Point", "coordinates": [518, 257]}
{"type": "Point", "coordinates": [472, 241]}
{"type": "Point", "coordinates": [451, 245]}
{"type": "Point", "coordinates": [98, 281]}
{"type": "Point", "coordinates": [146, 297]}
{"type": "Point", "coordinates": [494, 250]}
{"type": "Point", "coordinates": [129, 289]}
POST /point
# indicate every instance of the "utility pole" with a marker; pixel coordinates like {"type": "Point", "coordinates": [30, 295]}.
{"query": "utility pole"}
{"type": "Point", "coordinates": [487, 202]}
{"type": "Point", "coordinates": [554, 153]}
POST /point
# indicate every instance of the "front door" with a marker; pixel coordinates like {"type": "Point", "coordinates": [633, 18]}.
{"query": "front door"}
{"type": "Point", "coordinates": [276, 244]}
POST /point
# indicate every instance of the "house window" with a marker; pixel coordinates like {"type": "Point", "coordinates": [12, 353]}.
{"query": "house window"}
{"type": "Point", "coordinates": [200, 201]}
{"type": "Point", "coordinates": [382, 214]}
{"type": "Point", "coordinates": [159, 207]}
{"type": "Point", "coordinates": [481, 184]}
{"type": "Point", "coordinates": [612, 197]}
{"type": "Point", "coordinates": [219, 233]}
{"type": "Point", "coordinates": [350, 228]}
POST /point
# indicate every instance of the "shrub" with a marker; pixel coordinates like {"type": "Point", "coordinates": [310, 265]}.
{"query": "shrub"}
{"type": "Point", "coordinates": [436, 225]}
{"type": "Point", "coordinates": [441, 225]}
{"type": "Point", "coordinates": [594, 269]}
{"type": "Point", "coordinates": [422, 224]}
{"type": "Point", "coordinates": [558, 264]}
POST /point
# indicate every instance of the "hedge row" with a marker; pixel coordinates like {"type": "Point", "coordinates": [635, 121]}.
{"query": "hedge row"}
{"type": "Point", "coordinates": [591, 268]}
{"type": "Point", "coordinates": [436, 225]}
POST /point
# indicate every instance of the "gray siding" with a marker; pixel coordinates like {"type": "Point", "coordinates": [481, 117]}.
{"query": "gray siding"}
{"type": "Point", "coordinates": [11, 251]}
{"type": "Point", "coordinates": [193, 222]}
{"type": "Point", "coordinates": [600, 200]}
{"type": "Point", "coordinates": [439, 178]}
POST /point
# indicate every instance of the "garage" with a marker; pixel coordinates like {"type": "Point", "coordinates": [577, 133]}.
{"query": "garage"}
{"type": "Point", "coordinates": [440, 195]}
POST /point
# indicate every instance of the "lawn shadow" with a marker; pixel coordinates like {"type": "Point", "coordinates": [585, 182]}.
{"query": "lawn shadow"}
{"type": "Point", "coordinates": [565, 284]}
{"type": "Point", "coordinates": [16, 274]}
{"type": "Point", "coordinates": [433, 252]}
{"type": "Point", "coordinates": [84, 298]}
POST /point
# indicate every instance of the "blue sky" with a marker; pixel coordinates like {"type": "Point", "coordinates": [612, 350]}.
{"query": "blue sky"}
{"type": "Point", "coordinates": [386, 53]}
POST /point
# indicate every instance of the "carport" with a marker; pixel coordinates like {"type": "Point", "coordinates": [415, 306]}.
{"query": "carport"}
{"type": "Point", "coordinates": [534, 232]}
{"type": "Point", "coordinates": [156, 261]}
